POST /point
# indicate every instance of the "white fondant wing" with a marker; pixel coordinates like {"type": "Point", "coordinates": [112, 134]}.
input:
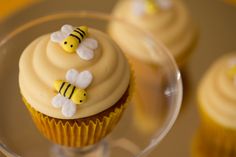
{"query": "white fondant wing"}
{"type": "Point", "coordinates": [165, 4]}
{"type": "Point", "coordinates": [138, 7]}
{"type": "Point", "coordinates": [71, 76]}
{"type": "Point", "coordinates": [84, 79]}
{"type": "Point", "coordinates": [86, 48]}
{"type": "Point", "coordinates": [58, 101]}
{"type": "Point", "coordinates": [67, 29]}
{"type": "Point", "coordinates": [90, 43]}
{"type": "Point", "coordinates": [68, 108]}
{"type": "Point", "coordinates": [58, 37]}
{"type": "Point", "coordinates": [84, 52]}
{"type": "Point", "coordinates": [232, 62]}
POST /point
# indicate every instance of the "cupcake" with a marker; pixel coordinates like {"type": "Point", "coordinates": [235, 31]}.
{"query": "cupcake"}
{"type": "Point", "coordinates": [76, 84]}
{"type": "Point", "coordinates": [167, 20]}
{"type": "Point", "coordinates": [217, 105]}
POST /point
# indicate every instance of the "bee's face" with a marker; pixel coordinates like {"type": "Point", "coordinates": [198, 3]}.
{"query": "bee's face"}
{"type": "Point", "coordinates": [70, 44]}
{"type": "Point", "coordinates": [81, 96]}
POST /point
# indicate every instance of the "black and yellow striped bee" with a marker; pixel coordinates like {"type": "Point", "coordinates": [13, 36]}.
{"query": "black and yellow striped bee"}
{"type": "Point", "coordinates": [75, 40]}
{"type": "Point", "coordinates": [72, 91]}
{"type": "Point", "coordinates": [71, 43]}
{"type": "Point", "coordinates": [76, 95]}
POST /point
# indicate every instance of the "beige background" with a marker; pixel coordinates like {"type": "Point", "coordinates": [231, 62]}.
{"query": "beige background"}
{"type": "Point", "coordinates": [216, 22]}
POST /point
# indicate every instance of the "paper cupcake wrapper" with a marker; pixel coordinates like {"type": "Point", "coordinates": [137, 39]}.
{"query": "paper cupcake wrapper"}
{"type": "Point", "coordinates": [201, 148]}
{"type": "Point", "coordinates": [197, 149]}
{"type": "Point", "coordinates": [76, 134]}
{"type": "Point", "coordinates": [217, 137]}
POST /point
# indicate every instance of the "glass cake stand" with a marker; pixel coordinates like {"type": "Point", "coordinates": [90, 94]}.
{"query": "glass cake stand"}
{"type": "Point", "coordinates": [19, 136]}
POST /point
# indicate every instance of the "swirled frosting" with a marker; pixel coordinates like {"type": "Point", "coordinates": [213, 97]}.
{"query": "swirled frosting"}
{"type": "Point", "coordinates": [217, 93]}
{"type": "Point", "coordinates": [172, 26]}
{"type": "Point", "coordinates": [44, 61]}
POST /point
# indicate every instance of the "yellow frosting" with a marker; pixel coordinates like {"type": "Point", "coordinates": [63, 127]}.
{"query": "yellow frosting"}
{"type": "Point", "coordinates": [44, 61]}
{"type": "Point", "coordinates": [172, 26]}
{"type": "Point", "coordinates": [217, 93]}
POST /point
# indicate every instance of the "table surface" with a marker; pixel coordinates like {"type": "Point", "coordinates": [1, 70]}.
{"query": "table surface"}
{"type": "Point", "coordinates": [216, 22]}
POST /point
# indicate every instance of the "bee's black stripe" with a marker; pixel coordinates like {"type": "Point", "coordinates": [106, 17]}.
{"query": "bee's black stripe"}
{"type": "Point", "coordinates": [76, 37]}
{"type": "Point", "coordinates": [81, 34]}
{"type": "Point", "coordinates": [61, 87]}
{"type": "Point", "coordinates": [72, 92]}
{"type": "Point", "coordinates": [66, 89]}
{"type": "Point", "coordinates": [81, 30]}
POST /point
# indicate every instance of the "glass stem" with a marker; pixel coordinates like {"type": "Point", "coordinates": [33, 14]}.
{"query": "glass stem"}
{"type": "Point", "coordinates": [97, 150]}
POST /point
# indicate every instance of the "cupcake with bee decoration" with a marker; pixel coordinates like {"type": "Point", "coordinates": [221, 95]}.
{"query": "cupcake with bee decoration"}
{"type": "Point", "coordinates": [167, 20]}
{"type": "Point", "coordinates": [76, 84]}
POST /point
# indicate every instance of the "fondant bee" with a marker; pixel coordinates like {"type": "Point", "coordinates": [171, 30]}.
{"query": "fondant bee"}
{"type": "Point", "coordinates": [72, 91]}
{"type": "Point", "coordinates": [151, 6]}
{"type": "Point", "coordinates": [71, 42]}
{"type": "Point", "coordinates": [75, 40]}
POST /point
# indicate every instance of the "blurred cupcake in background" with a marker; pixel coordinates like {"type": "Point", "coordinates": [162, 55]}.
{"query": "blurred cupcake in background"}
{"type": "Point", "coordinates": [167, 20]}
{"type": "Point", "coordinates": [217, 105]}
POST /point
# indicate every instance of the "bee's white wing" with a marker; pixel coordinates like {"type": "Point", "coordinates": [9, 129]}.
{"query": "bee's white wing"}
{"type": "Point", "coordinates": [58, 101]}
{"type": "Point", "coordinates": [90, 43]}
{"type": "Point", "coordinates": [67, 29]}
{"type": "Point", "coordinates": [232, 62]}
{"type": "Point", "coordinates": [58, 37]}
{"type": "Point", "coordinates": [68, 109]}
{"type": "Point", "coordinates": [138, 7]}
{"type": "Point", "coordinates": [84, 52]}
{"type": "Point", "coordinates": [84, 79]}
{"type": "Point", "coordinates": [165, 4]}
{"type": "Point", "coordinates": [71, 76]}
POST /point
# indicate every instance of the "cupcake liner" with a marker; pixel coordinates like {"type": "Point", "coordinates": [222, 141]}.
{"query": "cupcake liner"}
{"type": "Point", "coordinates": [202, 148]}
{"type": "Point", "coordinates": [76, 134]}
{"type": "Point", "coordinates": [197, 149]}
{"type": "Point", "coordinates": [220, 138]}
{"type": "Point", "coordinates": [82, 132]}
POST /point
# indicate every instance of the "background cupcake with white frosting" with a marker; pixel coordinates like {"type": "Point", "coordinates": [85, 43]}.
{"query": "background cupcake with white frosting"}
{"type": "Point", "coordinates": [167, 20]}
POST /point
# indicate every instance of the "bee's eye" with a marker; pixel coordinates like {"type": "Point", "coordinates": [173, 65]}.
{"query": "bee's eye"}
{"type": "Point", "coordinates": [65, 42]}
{"type": "Point", "coordinates": [80, 101]}
{"type": "Point", "coordinates": [71, 45]}
{"type": "Point", "coordinates": [84, 94]}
